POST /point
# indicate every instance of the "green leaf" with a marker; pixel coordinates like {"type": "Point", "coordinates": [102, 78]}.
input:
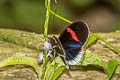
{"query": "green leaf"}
{"type": "Point", "coordinates": [50, 72]}
{"type": "Point", "coordinates": [57, 72]}
{"type": "Point", "coordinates": [111, 66]}
{"type": "Point", "coordinates": [47, 72]}
{"type": "Point", "coordinates": [20, 60]}
{"type": "Point", "coordinates": [58, 62]}
{"type": "Point", "coordinates": [90, 58]}
{"type": "Point", "coordinates": [91, 39]}
{"type": "Point", "coordinates": [54, 69]}
{"type": "Point", "coordinates": [54, 72]}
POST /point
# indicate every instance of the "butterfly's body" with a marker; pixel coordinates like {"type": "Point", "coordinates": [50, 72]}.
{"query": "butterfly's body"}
{"type": "Point", "coordinates": [70, 43]}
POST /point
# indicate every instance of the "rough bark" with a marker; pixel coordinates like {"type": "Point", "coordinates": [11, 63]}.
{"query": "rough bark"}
{"type": "Point", "coordinates": [21, 43]}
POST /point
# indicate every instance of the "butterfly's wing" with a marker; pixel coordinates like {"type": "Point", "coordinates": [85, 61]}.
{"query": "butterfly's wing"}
{"type": "Point", "coordinates": [72, 40]}
{"type": "Point", "coordinates": [59, 49]}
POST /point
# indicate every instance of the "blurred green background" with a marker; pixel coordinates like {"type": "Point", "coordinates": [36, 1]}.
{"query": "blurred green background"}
{"type": "Point", "coordinates": [29, 15]}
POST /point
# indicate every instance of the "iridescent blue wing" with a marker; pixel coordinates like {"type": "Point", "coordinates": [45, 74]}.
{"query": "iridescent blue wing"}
{"type": "Point", "coordinates": [72, 40]}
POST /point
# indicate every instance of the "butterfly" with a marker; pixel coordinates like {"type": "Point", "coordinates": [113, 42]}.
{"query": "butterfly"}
{"type": "Point", "coordinates": [69, 45]}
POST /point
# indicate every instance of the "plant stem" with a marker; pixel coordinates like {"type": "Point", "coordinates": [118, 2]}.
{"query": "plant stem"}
{"type": "Point", "coordinates": [107, 43]}
{"type": "Point", "coordinates": [60, 17]}
{"type": "Point", "coordinates": [45, 39]}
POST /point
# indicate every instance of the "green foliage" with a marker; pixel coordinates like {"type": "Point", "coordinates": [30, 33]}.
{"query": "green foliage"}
{"type": "Point", "coordinates": [57, 72]}
{"type": "Point", "coordinates": [20, 60]}
{"type": "Point", "coordinates": [90, 58]}
{"type": "Point", "coordinates": [111, 66]}
{"type": "Point", "coordinates": [91, 39]}
{"type": "Point", "coordinates": [54, 71]}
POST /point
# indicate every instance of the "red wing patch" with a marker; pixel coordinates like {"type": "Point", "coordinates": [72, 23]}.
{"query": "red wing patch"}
{"type": "Point", "coordinates": [72, 34]}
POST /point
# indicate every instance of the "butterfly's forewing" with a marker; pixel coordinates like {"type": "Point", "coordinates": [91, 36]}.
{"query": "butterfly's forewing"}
{"type": "Point", "coordinates": [72, 39]}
